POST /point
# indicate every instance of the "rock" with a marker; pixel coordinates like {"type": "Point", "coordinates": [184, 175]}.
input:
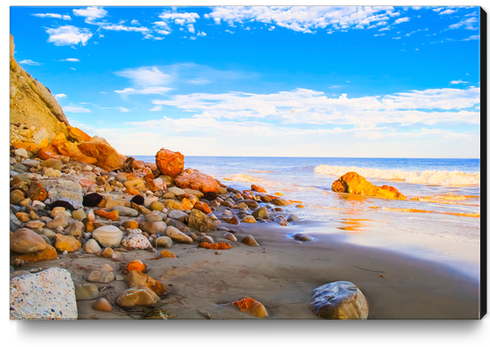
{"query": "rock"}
{"type": "Point", "coordinates": [61, 221]}
{"type": "Point", "coordinates": [172, 204]}
{"type": "Point", "coordinates": [281, 202]}
{"type": "Point", "coordinates": [66, 243]}
{"type": "Point", "coordinates": [176, 235]}
{"type": "Point", "coordinates": [302, 237]}
{"type": "Point", "coordinates": [78, 135]}
{"type": "Point", "coordinates": [108, 236]}
{"type": "Point", "coordinates": [137, 279]}
{"type": "Point", "coordinates": [49, 253]}
{"type": "Point", "coordinates": [174, 214]}
{"type": "Point", "coordinates": [154, 227]}
{"type": "Point", "coordinates": [251, 203]}
{"type": "Point", "coordinates": [169, 163]}
{"type": "Point", "coordinates": [163, 241]}
{"type": "Point", "coordinates": [21, 152]}
{"type": "Point", "coordinates": [167, 254]}
{"type": "Point", "coordinates": [125, 211]}
{"type": "Point", "coordinates": [60, 211]}
{"type": "Point", "coordinates": [137, 297]}
{"type": "Point", "coordinates": [16, 196]}
{"type": "Point", "coordinates": [197, 193]}
{"type": "Point", "coordinates": [249, 240]}
{"type": "Point", "coordinates": [102, 305]}
{"type": "Point", "coordinates": [37, 192]}
{"type": "Point", "coordinates": [340, 300]}
{"type": "Point", "coordinates": [229, 236]}
{"type": "Point", "coordinates": [53, 163]}
{"type": "Point", "coordinates": [191, 178]}
{"type": "Point", "coordinates": [92, 200]}
{"type": "Point", "coordinates": [64, 190]}
{"type": "Point", "coordinates": [136, 265]}
{"type": "Point", "coordinates": [249, 219]}
{"type": "Point", "coordinates": [261, 212]}
{"type": "Point", "coordinates": [176, 191]}
{"type": "Point", "coordinates": [207, 239]}
{"type": "Point", "coordinates": [75, 229]}
{"type": "Point", "coordinates": [92, 247]}
{"type": "Point", "coordinates": [138, 200]}
{"type": "Point", "coordinates": [49, 294]}
{"type": "Point", "coordinates": [30, 162]}
{"type": "Point", "coordinates": [135, 239]}
{"type": "Point", "coordinates": [131, 224]}
{"type": "Point", "coordinates": [79, 214]}
{"type": "Point", "coordinates": [100, 276]}
{"type": "Point", "coordinates": [200, 221]}
{"type": "Point", "coordinates": [35, 224]}
{"type": "Point", "coordinates": [106, 156]}
{"type": "Point", "coordinates": [87, 291]}
{"type": "Point", "coordinates": [156, 205]}
{"type": "Point", "coordinates": [26, 241]}
{"type": "Point", "coordinates": [354, 183]}
{"type": "Point", "coordinates": [293, 218]}
{"type": "Point", "coordinates": [257, 188]}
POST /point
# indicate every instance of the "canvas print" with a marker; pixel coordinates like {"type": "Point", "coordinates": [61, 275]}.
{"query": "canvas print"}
{"type": "Point", "coordinates": [245, 162]}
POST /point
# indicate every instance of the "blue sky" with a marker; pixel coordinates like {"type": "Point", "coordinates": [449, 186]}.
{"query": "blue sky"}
{"type": "Point", "coordinates": [353, 81]}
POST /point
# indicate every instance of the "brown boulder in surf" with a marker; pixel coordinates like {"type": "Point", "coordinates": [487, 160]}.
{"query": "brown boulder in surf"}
{"type": "Point", "coordinates": [354, 183]}
{"type": "Point", "coordinates": [193, 179]}
{"type": "Point", "coordinates": [169, 163]}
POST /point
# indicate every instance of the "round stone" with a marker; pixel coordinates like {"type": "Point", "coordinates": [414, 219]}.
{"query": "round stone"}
{"type": "Point", "coordinates": [108, 236]}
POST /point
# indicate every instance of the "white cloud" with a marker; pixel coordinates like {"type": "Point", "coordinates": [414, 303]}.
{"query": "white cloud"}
{"type": "Point", "coordinates": [179, 18]}
{"type": "Point", "coordinates": [76, 109]}
{"type": "Point", "coordinates": [199, 81]}
{"type": "Point", "coordinates": [447, 12]}
{"type": "Point", "coordinates": [145, 91]}
{"type": "Point", "coordinates": [313, 107]}
{"type": "Point", "coordinates": [466, 24]}
{"type": "Point", "coordinates": [52, 15]}
{"type": "Point", "coordinates": [402, 20]}
{"type": "Point", "coordinates": [135, 22]}
{"type": "Point", "coordinates": [305, 19]}
{"type": "Point", "coordinates": [146, 76]}
{"type": "Point", "coordinates": [396, 38]}
{"type": "Point", "coordinates": [191, 29]}
{"type": "Point", "coordinates": [201, 33]}
{"type": "Point", "coordinates": [156, 108]}
{"type": "Point", "coordinates": [229, 31]}
{"type": "Point", "coordinates": [72, 60]}
{"type": "Point", "coordinates": [30, 62]}
{"type": "Point", "coordinates": [116, 27]}
{"type": "Point", "coordinates": [90, 13]}
{"type": "Point", "coordinates": [68, 35]}
{"type": "Point", "coordinates": [438, 9]}
{"type": "Point", "coordinates": [60, 96]}
{"type": "Point", "coordinates": [457, 82]}
{"type": "Point", "coordinates": [383, 29]}
{"type": "Point", "coordinates": [472, 37]}
{"type": "Point", "coordinates": [163, 25]}
{"type": "Point", "coordinates": [123, 109]}
{"type": "Point", "coordinates": [163, 32]}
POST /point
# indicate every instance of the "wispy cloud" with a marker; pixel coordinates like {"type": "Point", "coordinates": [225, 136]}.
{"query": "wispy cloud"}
{"type": "Point", "coordinates": [52, 15]}
{"type": "Point", "coordinates": [402, 20]}
{"type": "Point", "coordinates": [75, 109]}
{"type": "Point", "coordinates": [117, 27]}
{"type": "Point", "coordinates": [146, 76]}
{"type": "Point", "coordinates": [468, 23]}
{"type": "Point", "coordinates": [458, 82]}
{"type": "Point", "coordinates": [145, 91]}
{"type": "Point", "coordinates": [72, 60]}
{"type": "Point", "coordinates": [30, 62]}
{"type": "Point", "coordinates": [471, 38]}
{"type": "Point", "coordinates": [60, 96]}
{"type": "Point", "coordinates": [68, 35]}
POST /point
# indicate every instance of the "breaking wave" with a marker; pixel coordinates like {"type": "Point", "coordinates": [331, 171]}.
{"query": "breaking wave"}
{"type": "Point", "coordinates": [431, 177]}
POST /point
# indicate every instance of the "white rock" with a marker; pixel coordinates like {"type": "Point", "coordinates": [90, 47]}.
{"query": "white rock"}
{"type": "Point", "coordinates": [176, 191]}
{"type": "Point", "coordinates": [136, 239]}
{"type": "Point", "coordinates": [176, 214]}
{"type": "Point", "coordinates": [49, 294]}
{"type": "Point", "coordinates": [92, 247]}
{"type": "Point", "coordinates": [108, 236]}
{"type": "Point", "coordinates": [21, 152]}
{"type": "Point", "coordinates": [177, 235]}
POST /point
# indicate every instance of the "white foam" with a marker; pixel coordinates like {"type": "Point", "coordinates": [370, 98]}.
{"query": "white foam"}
{"type": "Point", "coordinates": [431, 177]}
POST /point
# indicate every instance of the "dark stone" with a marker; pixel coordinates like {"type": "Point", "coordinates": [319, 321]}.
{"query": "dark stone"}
{"type": "Point", "coordinates": [62, 203]}
{"type": "Point", "coordinates": [210, 196]}
{"type": "Point", "coordinates": [138, 200]}
{"type": "Point", "coordinates": [92, 200]}
{"type": "Point", "coordinates": [127, 166]}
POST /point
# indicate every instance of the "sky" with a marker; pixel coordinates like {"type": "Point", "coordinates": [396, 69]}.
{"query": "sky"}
{"type": "Point", "coordinates": [284, 81]}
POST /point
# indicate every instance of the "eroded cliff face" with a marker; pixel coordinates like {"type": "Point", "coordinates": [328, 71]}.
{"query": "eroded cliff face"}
{"type": "Point", "coordinates": [35, 115]}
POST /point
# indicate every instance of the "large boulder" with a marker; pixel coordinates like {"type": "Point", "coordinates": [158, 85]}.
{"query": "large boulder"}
{"type": "Point", "coordinates": [49, 294]}
{"type": "Point", "coordinates": [193, 179]}
{"type": "Point", "coordinates": [63, 189]}
{"type": "Point", "coordinates": [340, 300]}
{"type": "Point", "coordinates": [169, 163]}
{"type": "Point", "coordinates": [354, 183]}
{"type": "Point", "coordinates": [107, 157]}
{"type": "Point", "coordinates": [200, 221]}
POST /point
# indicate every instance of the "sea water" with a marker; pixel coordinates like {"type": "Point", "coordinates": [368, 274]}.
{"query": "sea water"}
{"type": "Point", "coordinates": [439, 221]}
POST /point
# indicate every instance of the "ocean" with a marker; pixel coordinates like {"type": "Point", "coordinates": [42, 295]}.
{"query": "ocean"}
{"type": "Point", "coordinates": [439, 221]}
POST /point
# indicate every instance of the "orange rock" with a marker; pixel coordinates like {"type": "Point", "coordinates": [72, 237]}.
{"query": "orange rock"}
{"type": "Point", "coordinates": [89, 227]}
{"type": "Point", "coordinates": [154, 184]}
{"type": "Point", "coordinates": [48, 152]}
{"type": "Point", "coordinates": [254, 307]}
{"type": "Point", "coordinates": [106, 156]}
{"type": "Point", "coordinates": [37, 192]}
{"type": "Point", "coordinates": [71, 150]}
{"type": "Point", "coordinates": [49, 253]}
{"type": "Point", "coordinates": [257, 188]}
{"type": "Point", "coordinates": [138, 164]}
{"type": "Point", "coordinates": [186, 204]}
{"type": "Point", "coordinates": [137, 279]}
{"type": "Point", "coordinates": [66, 243]}
{"type": "Point", "coordinates": [78, 135]}
{"type": "Point", "coordinates": [354, 183]}
{"type": "Point", "coordinates": [169, 163]}
{"type": "Point", "coordinates": [136, 265]}
{"type": "Point", "coordinates": [113, 215]}
{"type": "Point", "coordinates": [132, 191]}
{"type": "Point", "coordinates": [218, 245]}
{"type": "Point", "coordinates": [167, 254]}
{"type": "Point", "coordinates": [131, 224]}
{"type": "Point", "coordinates": [102, 305]}
{"type": "Point", "coordinates": [28, 146]}
{"type": "Point", "coordinates": [193, 179]}
{"type": "Point", "coordinates": [86, 182]}
{"type": "Point", "coordinates": [203, 207]}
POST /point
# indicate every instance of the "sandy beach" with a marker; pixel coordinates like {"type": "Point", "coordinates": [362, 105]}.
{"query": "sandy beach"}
{"type": "Point", "coordinates": [281, 274]}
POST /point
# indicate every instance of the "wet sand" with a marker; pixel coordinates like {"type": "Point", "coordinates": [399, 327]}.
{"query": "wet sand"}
{"type": "Point", "coordinates": [282, 274]}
